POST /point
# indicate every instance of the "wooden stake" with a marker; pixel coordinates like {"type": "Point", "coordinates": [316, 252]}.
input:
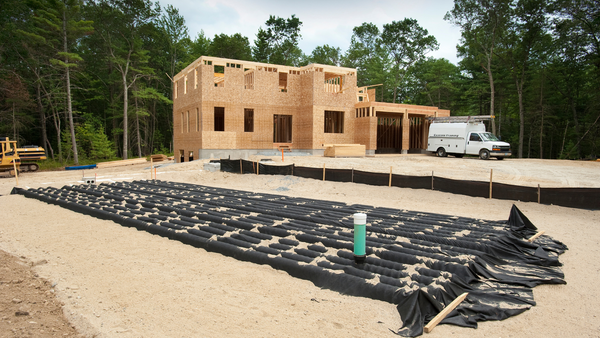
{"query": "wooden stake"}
{"type": "Point", "coordinates": [491, 174]}
{"type": "Point", "coordinates": [437, 319]}
{"type": "Point", "coordinates": [241, 167]}
{"type": "Point", "coordinates": [151, 166]}
{"type": "Point", "coordinates": [535, 236]}
{"type": "Point", "coordinates": [539, 194]}
{"type": "Point", "coordinates": [154, 173]}
{"type": "Point", "coordinates": [257, 167]}
{"type": "Point", "coordinates": [16, 171]}
{"type": "Point", "coordinates": [432, 180]}
{"type": "Point", "coordinates": [323, 171]}
{"type": "Point", "coordinates": [281, 154]}
{"type": "Point", "coordinates": [390, 183]}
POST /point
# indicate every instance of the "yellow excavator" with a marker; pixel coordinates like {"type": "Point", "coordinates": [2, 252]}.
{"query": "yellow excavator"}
{"type": "Point", "coordinates": [21, 158]}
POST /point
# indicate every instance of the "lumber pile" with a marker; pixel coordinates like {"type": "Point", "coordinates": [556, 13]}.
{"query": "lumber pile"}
{"type": "Point", "coordinates": [158, 157]}
{"type": "Point", "coordinates": [121, 163]}
{"type": "Point", "coordinates": [344, 150]}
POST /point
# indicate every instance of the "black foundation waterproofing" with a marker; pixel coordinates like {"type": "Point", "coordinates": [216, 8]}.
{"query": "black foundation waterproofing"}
{"type": "Point", "coordinates": [582, 198]}
{"type": "Point", "coordinates": [418, 261]}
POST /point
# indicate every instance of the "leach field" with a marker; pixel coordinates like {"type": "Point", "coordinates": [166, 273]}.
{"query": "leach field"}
{"type": "Point", "coordinates": [119, 282]}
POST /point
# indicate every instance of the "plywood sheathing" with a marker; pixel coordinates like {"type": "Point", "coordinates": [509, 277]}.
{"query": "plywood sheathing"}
{"type": "Point", "coordinates": [301, 92]}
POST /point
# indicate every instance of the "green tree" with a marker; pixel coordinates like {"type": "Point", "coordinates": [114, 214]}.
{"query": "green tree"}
{"type": "Point", "coordinates": [483, 23]}
{"type": "Point", "coordinates": [173, 26]}
{"type": "Point", "coordinates": [326, 55]}
{"type": "Point", "coordinates": [278, 43]}
{"type": "Point", "coordinates": [437, 80]}
{"type": "Point", "coordinates": [59, 26]}
{"type": "Point", "coordinates": [198, 47]}
{"type": "Point", "coordinates": [524, 34]}
{"type": "Point", "coordinates": [235, 47]}
{"type": "Point", "coordinates": [122, 26]}
{"type": "Point", "coordinates": [366, 55]}
{"type": "Point", "coordinates": [406, 43]}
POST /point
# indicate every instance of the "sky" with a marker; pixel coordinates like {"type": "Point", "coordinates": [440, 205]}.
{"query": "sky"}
{"type": "Point", "coordinates": [323, 22]}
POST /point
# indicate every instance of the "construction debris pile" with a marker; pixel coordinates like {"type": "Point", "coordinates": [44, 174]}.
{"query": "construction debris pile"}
{"type": "Point", "coordinates": [418, 261]}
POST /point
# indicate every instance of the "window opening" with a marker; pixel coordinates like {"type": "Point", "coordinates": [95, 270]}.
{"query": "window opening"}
{"type": "Point", "coordinates": [248, 120]}
{"type": "Point", "coordinates": [219, 119]}
{"type": "Point", "coordinates": [176, 88]}
{"type": "Point", "coordinates": [187, 121]}
{"type": "Point", "coordinates": [191, 156]}
{"type": "Point", "coordinates": [195, 78]}
{"type": "Point", "coordinates": [282, 128]}
{"type": "Point", "coordinates": [334, 122]}
{"type": "Point", "coordinates": [283, 82]}
{"type": "Point", "coordinates": [185, 84]}
{"type": "Point", "coordinates": [333, 83]}
{"type": "Point", "coordinates": [249, 79]}
{"type": "Point", "coordinates": [219, 76]}
{"type": "Point", "coordinates": [182, 122]}
{"type": "Point", "coordinates": [197, 119]}
{"type": "Point", "coordinates": [181, 157]}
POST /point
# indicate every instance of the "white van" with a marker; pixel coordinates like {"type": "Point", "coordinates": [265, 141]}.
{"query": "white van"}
{"type": "Point", "coordinates": [460, 138]}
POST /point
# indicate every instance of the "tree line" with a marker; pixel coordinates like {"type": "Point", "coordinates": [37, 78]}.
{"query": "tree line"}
{"type": "Point", "coordinates": [92, 79]}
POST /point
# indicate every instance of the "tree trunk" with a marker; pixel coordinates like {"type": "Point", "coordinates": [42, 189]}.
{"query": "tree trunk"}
{"type": "Point", "coordinates": [14, 122]}
{"type": "Point", "coordinates": [38, 94]}
{"type": "Point", "coordinates": [492, 91]}
{"type": "Point", "coordinates": [68, 78]}
{"type": "Point", "coordinates": [562, 148]}
{"type": "Point", "coordinates": [542, 120]}
{"type": "Point", "coordinates": [137, 128]}
{"type": "Point", "coordinates": [125, 124]}
{"type": "Point", "coordinates": [521, 117]}
{"type": "Point", "coordinates": [56, 119]}
{"type": "Point", "coordinates": [577, 128]}
{"type": "Point", "coordinates": [395, 89]}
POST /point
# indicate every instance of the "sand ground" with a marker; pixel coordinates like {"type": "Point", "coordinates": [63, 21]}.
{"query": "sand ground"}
{"type": "Point", "coordinates": [119, 282]}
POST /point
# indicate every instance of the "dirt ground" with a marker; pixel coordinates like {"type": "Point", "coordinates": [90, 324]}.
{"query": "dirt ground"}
{"type": "Point", "coordinates": [114, 281]}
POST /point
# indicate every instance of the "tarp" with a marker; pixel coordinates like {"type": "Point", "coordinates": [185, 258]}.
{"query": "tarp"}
{"type": "Point", "coordinates": [418, 261]}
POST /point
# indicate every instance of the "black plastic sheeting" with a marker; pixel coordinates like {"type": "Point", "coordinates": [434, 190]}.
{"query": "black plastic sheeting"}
{"type": "Point", "coordinates": [583, 198]}
{"type": "Point", "coordinates": [418, 261]}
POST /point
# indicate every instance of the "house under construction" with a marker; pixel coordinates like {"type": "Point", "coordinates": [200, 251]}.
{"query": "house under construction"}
{"type": "Point", "coordinates": [225, 107]}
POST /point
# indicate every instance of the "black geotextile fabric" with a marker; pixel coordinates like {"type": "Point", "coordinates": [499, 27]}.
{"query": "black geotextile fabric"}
{"type": "Point", "coordinates": [308, 172]}
{"type": "Point", "coordinates": [588, 198]}
{"type": "Point", "coordinates": [583, 198]}
{"type": "Point", "coordinates": [339, 175]}
{"type": "Point", "coordinates": [418, 261]}
{"type": "Point", "coordinates": [514, 192]}
{"type": "Point", "coordinates": [468, 188]}
{"type": "Point", "coordinates": [251, 167]}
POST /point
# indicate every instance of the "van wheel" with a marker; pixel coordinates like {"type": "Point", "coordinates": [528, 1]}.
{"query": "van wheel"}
{"type": "Point", "coordinates": [441, 152]}
{"type": "Point", "coordinates": [484, 154]}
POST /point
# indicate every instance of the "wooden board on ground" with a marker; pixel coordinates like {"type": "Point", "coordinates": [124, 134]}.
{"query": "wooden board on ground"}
{"type": "Point", "coordinates": [121, 163]}
{"type": "Point", "coordinates": [344, 150]}
{"type": "Point", "coordinates": [158, 157]}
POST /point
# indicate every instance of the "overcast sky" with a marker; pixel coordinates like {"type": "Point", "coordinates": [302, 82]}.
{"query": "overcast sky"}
{"type": "Point", "coordinates": [323, 22]}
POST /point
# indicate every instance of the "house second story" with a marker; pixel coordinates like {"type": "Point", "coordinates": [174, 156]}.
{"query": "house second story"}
{"type": "Point", "coordinates": [211, 79]}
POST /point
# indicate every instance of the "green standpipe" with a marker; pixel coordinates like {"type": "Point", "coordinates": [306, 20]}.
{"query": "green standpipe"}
{"type": "Point", "coordinates": [360, 237]}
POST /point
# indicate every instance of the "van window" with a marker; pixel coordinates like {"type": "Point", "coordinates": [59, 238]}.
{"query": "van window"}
{"type": "Point", "coordinates": [474, 137]}
{"type": "Point", "coordinates": [489, 137]}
